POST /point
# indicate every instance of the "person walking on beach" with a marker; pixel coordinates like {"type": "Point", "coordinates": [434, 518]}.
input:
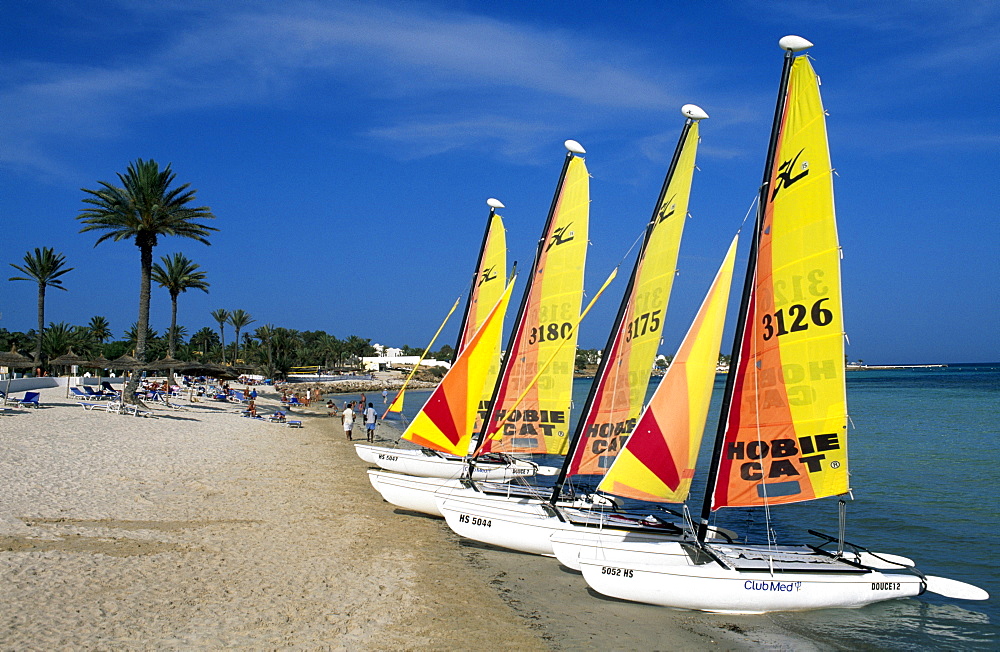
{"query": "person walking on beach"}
{"type": "Point", "coordinates": [370, 418]}
{"type": "Point", "coordinates": [385, 396]}
{"type": "Point", "coordinates": [348, 417]}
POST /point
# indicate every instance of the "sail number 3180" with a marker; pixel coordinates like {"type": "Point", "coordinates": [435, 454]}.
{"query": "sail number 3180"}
{"type": "Point", "coordinates": [797, 318]}
{"type": "Point", "coordinates": [550, 332]}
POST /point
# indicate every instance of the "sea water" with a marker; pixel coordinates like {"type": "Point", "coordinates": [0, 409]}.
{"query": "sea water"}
{"type": "Point", "coordinates": [925, 471]}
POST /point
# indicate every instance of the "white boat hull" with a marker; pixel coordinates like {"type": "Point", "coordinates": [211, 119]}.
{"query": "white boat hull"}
{"type": "Point", "coordinates": [422, 463]}
{"type": "Point", "coordinates": [410, 492]}
{"type": "Point", "coordinates": [613, 546]}
{"type": "Point", "coordinates": [528, 524]}
{"type": "Point", "coordinates": [524, 524]}
{"type": "Point", "coordinates": [711, 587]}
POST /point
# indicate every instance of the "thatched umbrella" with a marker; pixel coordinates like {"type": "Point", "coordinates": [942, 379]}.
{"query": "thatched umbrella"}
{"type": "Point", "coordinates": [126, 363]}
{"type": "Point", "coordinates": [169, 363]}
{"type": "Point", "coordinates": [100, 363]}
{"type": "Point", "coordinates": [13, 360]}
{"type": "Point", "coordinates": [68, 360]}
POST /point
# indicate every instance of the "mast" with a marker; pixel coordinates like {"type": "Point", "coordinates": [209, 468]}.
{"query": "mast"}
{"type": "Point", "coordinates": [572, 148]}
{"type": "Point", "coordinates": [494, 204]}
{"type": "Point", "coordinates": [692, 113]}
{"type": "Point", "coordinates": [791, 45]}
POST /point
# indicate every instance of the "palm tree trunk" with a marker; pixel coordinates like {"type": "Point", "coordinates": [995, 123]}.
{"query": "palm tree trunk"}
{"type": "Point", "coordinates": [146, 263]}
{"type": "Point", "coordinates": [41, 324]}
{"type": "Point", "coordinates": [236, 353]}
{"type": "Point", "coordinates": [173, 325]}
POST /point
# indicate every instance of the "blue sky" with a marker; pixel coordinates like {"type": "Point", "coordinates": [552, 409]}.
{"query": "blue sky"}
{"type": "Point", "coordinates": [347, 150]}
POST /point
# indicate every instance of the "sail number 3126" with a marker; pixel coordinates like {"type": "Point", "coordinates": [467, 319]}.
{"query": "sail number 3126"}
{"type": "Point", "coordinates": [797, 318]}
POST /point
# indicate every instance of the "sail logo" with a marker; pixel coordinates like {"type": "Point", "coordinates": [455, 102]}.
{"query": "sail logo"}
{"type": "Point", "coordinates": [667, 209]}
{"type": "Point", "coordinates": [785, 171]}
{"type": "Point", "coordinates": [774, 458]}
{"type": "Point", "coordinates": [527, 425]}
{"type": "Point", "coordinates": [609, 437]}
{"type": "Point", "coordinates": [559, 236]}
{"type": "Point", "coordinates": [489, 274]}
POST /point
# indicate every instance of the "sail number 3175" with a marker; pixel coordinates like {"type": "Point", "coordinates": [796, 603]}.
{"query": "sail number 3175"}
{"type": "Point", "coordinates": [797, 318]}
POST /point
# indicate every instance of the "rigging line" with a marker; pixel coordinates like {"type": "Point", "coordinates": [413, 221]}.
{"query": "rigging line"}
{"type": "Point", "coordinates": [637, 240]}
{"type": "Point", "coordinates": [751, 209]}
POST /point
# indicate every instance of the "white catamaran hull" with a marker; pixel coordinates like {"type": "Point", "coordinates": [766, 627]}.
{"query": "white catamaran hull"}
{"type": "Point", "coordinates": [529, 524]}
{"type": "Point", "coordinates": [611, 546]}
{"type": "Point", "coordinates": [711, 587]}
{"type": "Point", "coordinates": [429, 464]}
{"type": "Point", "coordinates": [411, 492]}
{"type": "Point", "coordinates": [523, 524]}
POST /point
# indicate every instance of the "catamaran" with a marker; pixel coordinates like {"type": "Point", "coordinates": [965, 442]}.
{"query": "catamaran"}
{"type": "Point", "coordinates": [533, 390]}
{"type": "Point", "coordinates": [782, 431]}
{"type": "Point", "coordinates": [527, 522]}
{"type": "Point", "coordinates": [488, 283]}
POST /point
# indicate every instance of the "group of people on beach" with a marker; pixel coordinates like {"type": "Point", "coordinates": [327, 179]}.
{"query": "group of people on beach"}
{"type": "Point", "coordinates": [353, 408]}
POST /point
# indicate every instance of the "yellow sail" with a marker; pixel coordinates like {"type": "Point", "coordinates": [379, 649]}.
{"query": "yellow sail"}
{"type": "Point", "coordinates": [621, 392]}
{"type": "Point", "coordinates": [540, 422]}
{"type": "Point", "coordinates": [786, 433]}
{"type": "Point", "coordinates": [446, 421]}
{"type": "Point", "coordinates": [491, 277]}
{"type": "Point", "coordinates": [658, 460]}
{"type": "Point", "coordinates": [487, 287]}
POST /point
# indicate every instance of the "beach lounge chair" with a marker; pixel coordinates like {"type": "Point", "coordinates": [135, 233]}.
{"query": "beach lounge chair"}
{"type": "Point", "coordinates": [95, 395]}
{"type": "Point", "coordinates": [78, 395]}
{"type": "Point", "coordinates": [30, 400]}
{"type": "Point", "coordinates": [294, 424]}
{"type": "Point", "coordinates": [277, 417]}
{"type": "Point", "coordinates": [108, 388]}
{"type": "Point", "coordinates": [294, 401]}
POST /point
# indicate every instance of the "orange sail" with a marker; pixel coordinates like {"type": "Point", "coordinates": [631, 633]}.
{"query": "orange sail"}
{"type": "Point", "coordinates": [619, 393]}
{"type": "Point", "coordinates": [546, 331]}
{"type": "Point", "coordinates": [785, 434]}
{"type": "Point", "coordinates": [445, 423]}
{"type": "Point", "coordinates": [657, 463]}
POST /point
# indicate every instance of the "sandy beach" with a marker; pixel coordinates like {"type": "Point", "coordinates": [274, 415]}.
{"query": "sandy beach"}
{"type": "Point", "coordinates": [202, 529]}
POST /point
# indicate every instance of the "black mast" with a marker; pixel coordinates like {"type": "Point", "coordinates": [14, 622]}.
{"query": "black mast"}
{"type": "Point", "coordinates": [494, 204]}
{"type": "Point", "coordinates": [622, 308]}
{"type": "Point", "coordinates": [524, 299]}
{"type": "Point", "coordinates": [748, 285]}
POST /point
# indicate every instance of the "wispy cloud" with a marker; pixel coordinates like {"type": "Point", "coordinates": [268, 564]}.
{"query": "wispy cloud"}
{"type": "Point", "coordinates": [427, 62]}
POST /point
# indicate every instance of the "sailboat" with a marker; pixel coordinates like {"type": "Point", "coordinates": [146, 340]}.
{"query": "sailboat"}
{"type": "Point", "coordinates": [429, 459]}
{"type": "Point", "coordinates": [527, 522]}
{"type": "Point", "coordinates": [533, 390]}
{"type": "Point", "coordinates": [782, 432]}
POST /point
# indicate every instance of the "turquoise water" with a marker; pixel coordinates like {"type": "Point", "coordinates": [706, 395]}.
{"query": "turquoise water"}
{"type": "Point", "coordinates": [925, 469]}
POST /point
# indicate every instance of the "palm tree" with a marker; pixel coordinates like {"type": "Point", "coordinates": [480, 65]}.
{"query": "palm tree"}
{"type": "Point", "coordinates": [239, 320]}
{"type": "Point", "coordinates": [44, 267]}
{"type": "Point", "coordinates": [265, 334]}
{"type": "Point", "coordinates": [100, 329]}
{"type": "Point", "coordinates": [144, 208]}
{"type": "Point", "coordinates": [204, 339]}
{"type": "Point", "coordinates": [222, 316]}
{"type": "Point", "coordinates": [178, 274]}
